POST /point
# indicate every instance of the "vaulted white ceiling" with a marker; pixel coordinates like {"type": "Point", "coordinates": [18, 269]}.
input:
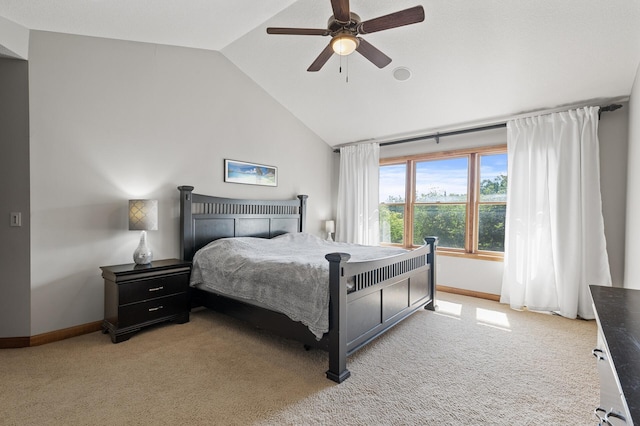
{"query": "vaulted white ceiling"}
{"type": "Point", "coordinates": [472, 62]}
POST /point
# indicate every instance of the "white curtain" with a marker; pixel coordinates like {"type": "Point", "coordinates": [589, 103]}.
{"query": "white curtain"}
{"type": "Point", "coordinates": [554, 245]}
{"type": "Point", "coordinates": [357, 216]}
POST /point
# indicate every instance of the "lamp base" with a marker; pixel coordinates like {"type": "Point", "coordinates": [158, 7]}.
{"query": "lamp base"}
{"type": "Point", "coordinates": [329, 236]}
{"type": "Point", "coordinates": [143, 254]}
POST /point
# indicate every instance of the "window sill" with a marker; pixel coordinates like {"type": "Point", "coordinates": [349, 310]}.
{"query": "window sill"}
{"type": "Point", "coordinates": [488, 256]}
{"type": "Point", "coordinates": [493, 257]}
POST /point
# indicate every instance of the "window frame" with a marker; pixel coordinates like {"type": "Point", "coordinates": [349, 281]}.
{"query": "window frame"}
{"type": "Point", "coordinates": [473, 202]}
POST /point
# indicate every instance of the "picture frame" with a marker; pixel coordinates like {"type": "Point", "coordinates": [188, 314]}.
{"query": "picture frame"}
{"type": "Point", "coordinates": [250, 173]}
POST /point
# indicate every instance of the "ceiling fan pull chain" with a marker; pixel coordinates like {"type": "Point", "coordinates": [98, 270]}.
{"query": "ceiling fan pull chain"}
{"type": "Point", "coordinates": [346, 66]}
{"type": "Point", "coordinates": [347, 78]}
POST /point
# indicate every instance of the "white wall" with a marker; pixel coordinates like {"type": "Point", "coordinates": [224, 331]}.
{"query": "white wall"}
{"type": "Point", "coordinates": [486, 276]}
{"type": "Point", "coordinates": [14, 39]}
{"type": "Point", "coordinates": [113, 120]}
{"type": "Point", "coordinates": [632, 264]}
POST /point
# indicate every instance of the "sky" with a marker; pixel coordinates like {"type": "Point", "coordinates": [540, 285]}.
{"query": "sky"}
{"type": "Point", "coordinates": [448, 175]}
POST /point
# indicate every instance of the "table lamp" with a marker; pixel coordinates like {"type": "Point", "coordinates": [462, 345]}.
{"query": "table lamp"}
{"type": "Point", "coordinates": [143, 216]}
{"type": "Point", "coordinates": [329, 227]}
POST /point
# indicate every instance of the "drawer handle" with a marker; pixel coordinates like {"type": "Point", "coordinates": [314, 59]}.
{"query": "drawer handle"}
{"type": "Point", "coordinates": [598, 353]}
{"type": "Point", "coordinates": [614, 415]}
{"type": "Point", "coordinates": [155, 309]}
{"type": "Point", "coordinates": [156, 288]}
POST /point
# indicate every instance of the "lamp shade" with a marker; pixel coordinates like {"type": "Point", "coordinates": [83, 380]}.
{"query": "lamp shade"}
{"type": "Point", "coordinates": [330, 226]}
{"type": "Point", "coordinates": [143, 215]}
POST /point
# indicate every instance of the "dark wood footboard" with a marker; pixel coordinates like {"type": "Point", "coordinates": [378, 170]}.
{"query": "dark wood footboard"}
{"type": "Point", "coordinates": [385, 292]}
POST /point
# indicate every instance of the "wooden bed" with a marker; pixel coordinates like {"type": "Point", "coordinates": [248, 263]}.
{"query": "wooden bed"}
{"type": "Point", "coordinates": [385, 291]}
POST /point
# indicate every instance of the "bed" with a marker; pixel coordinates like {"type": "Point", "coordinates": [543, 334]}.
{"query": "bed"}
{"type": "Point", "coordinates": [365, 298]}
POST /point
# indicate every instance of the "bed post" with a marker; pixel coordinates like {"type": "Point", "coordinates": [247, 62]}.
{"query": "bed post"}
{"type": "Point", "coordinates": [337, 319]}
{"type": "Point", "coordinates": [186, 223]}
{"type": "Point", "coordinates": [431, 260]}
{"type": "Point", "coordinates": [303, 212]}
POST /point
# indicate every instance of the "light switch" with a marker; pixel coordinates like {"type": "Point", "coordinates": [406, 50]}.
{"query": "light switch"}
{"type": "Point", "coordinates": [16, 219]}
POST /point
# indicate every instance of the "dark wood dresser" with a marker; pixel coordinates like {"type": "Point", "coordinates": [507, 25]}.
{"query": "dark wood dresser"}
{"type": "Point", "coordinates": [137, 296]}
{"type": "Point", "coordinates": [618, 354]}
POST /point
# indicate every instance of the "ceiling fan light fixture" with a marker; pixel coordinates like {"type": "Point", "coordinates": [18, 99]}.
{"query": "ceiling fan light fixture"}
{"type": "Point", "coordinates": [344, 44]}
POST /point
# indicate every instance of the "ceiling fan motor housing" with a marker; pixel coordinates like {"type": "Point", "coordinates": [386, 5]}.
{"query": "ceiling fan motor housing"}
{"type": "Point", "coordinates": [336, 26]}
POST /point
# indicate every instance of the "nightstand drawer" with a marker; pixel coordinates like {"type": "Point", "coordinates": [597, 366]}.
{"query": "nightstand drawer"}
{"type": "Point", "coordinates": [154, 309]}
{"type": "Point", "coordinates": [136, 291]}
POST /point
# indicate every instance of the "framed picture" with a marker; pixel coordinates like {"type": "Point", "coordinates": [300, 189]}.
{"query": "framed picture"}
{"type": "Point", "coordinates": [250, 173]}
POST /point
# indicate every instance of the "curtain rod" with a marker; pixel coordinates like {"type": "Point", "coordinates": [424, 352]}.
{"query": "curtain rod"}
{"type": "Point", "coordinates": [438, 135]}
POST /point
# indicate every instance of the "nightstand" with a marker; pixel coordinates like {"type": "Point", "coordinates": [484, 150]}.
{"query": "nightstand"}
{"type": "Point", "coordinates": [136, 296]}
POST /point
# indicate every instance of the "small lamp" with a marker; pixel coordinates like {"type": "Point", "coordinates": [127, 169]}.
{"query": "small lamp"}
{"type": "Point", "coordinates": [329, 227]}
{"type": "Point", "coordinates": [143, 216]}
{"type": "Point", "coordinates": [344, 43]}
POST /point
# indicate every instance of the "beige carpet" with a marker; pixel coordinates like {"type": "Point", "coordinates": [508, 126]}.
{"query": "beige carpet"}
{"type": "Point", "coordinates": [474, 362]}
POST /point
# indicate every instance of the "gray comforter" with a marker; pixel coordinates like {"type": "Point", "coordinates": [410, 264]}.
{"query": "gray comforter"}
{"type": "Point", "coordinates": [288, 274]}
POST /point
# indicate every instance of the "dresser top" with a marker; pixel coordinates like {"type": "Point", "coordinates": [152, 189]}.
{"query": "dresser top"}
{"type": "Point", "coordinates": [618, 314]}
{"type": "Point", "coordinates": [153, 268]}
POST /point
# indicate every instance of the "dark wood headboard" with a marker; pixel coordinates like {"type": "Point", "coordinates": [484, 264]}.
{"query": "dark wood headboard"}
{"type": "Point", "coordinates": [204, 218]}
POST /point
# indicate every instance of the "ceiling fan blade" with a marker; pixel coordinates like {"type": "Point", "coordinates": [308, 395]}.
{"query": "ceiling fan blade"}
{"type": "Point", "coordinates": [341, 10]}
{"type": "Point", "coordinates": [370, 52]}
{"type": "Point", "coordinates": [298, 31]}
{"type": "Point", "coordinates": [321, 59]}
{"type": "Point", "coordinates": [393, 20]}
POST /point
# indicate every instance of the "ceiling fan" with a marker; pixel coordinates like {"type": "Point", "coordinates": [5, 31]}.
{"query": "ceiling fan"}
{"type": "Point", "coordinates": [344, 27]}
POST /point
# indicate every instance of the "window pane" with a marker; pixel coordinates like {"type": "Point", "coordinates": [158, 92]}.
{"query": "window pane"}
{"type": "Point", "coordinates": [392, 183]}
{"type": "Point", "coordinates": [491, 227]}
{"type": "Point", "coordinates": [493, 178]}
{"type": "Point", "coordinates": [391, 223]}
{"type": "Point", "coordinates": [442, 180]}
{"type": "Point", "coordinates": [445, 221]}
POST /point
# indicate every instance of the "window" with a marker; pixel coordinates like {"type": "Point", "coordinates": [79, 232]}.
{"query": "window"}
{"type": "Point", "coordinates": [492, 204]}
{"type": "Point", "coordinates": [459, 196]}
{"type": "Point", "coordinates": [440, 206]}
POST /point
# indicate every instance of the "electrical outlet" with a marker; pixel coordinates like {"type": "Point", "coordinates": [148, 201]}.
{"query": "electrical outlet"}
{"type": "Point", "coordinates": [16, 219]}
